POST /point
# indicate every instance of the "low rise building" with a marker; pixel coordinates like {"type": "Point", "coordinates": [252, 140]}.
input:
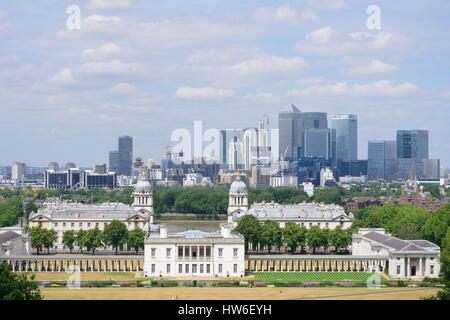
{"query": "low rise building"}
{"type": "Point", "coordinates": [194, 253]}
{"type": "Point", "coordinates": [14, 241]}
{"type": "Point", "coordinates": [406, 258]}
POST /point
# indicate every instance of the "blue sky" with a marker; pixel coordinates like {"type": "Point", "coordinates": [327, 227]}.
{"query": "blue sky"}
{"type": "Point", "coordinates": [146, 68]}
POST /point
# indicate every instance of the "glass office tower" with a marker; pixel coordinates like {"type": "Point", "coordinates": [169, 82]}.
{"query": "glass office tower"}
{"type": "Point", "coordinates": [125, 155]}
{"type": "Point", "coordinates": [412, 144]}
{"type": "Point", "coordinates": [381, 160]}
{"type": "Point", "coordinates": [290, 124]}
{"type": "Point", "coordinates": [346, 127]}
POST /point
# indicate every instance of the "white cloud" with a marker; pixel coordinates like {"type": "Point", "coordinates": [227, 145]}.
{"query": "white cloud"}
{"type": "Point", "coordinates": [106, 50]}
{"type": "Point", "coordinates": [378, 88]}
{"type": "Point", "coordinates": [284, 13]}
{"type": "Point", "coordinates": [95, 25]}
{"type": "Point", "coordinates": [373, 68]}
{"type": "Point", "coordinates": [205, 93]}
{"type": "Point", "coordinates": [114, 67]}
{"type": "Point", "coordinates": [267, 65]}
{"type": "Point", "coordinates": [327, 41]}
{"type": "Point", "coordinates": [109, 4]}
{"type": "Point", "coordinates": [123, 88]}
{"type": "Point", "coordinates": [62, 77]}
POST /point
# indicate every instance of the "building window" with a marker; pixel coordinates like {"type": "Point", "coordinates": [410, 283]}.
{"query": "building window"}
{"type": "Point", "coordinates": [235, 252]}
{"type": "Point", "coordinates": [153, 252]}
{"type": "Point", "coordinates": [180, 252]}
{"type": "Point", "coordinates": [318, 224]}
{"type": "Point", "coordinates": [202, 252]}
{"type": "Point", "coordinates": [235, 268]}
{"type": "Point", "coordinates": [220, 252]}
{"type": "Point", "coordinates": [80, 224]}
{"type": "Point", "coordinates": [194, 252]}
{"type": "Point", "coordinates": [303, 224]}
{"type": "Point", "coordinates": [153, 268]}
{"type": "Point", "coordinates": [168, 251]}
{"type": "Point", "coordinates": [96, 224]}
{"type": "Point", "coordinates": [64, 224]}
{"type": "Point", "coordinates": [186, 251]}
{"type": "Point", "coordinates": [326, 224]}
{"type": "Point", "coordinates": [398, 269]}
{"type": "Point", "coordinates": [431, 269]}
{"type": "Point", "coordinates": [208, 268]}
{"type": "Point", "coordinates": [168, 268]}
{"type": "Point", "coordinates": [310, 224]}
{"type": "Point", "coordinates": [186, 268]}
{"type": "Point", "coordinates": [72, 224]}
{"type": "Point", "coordinates": [201, 268]}
{"type": "Point", "coordinates": [220, 268]}
{"type": "Point", "coordinates": [194, 268]}
{"type": "Point", "coordinates": [56, 224]}
{"type": "Point", "coordinates": [89, 224]}
{"type": "Point", "coordinates": [180, 268]}
{"type": "Point", "coordinates": [208, 251]}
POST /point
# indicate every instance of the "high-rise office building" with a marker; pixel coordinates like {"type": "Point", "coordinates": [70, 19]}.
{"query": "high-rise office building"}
{"type": "Point", "coordinates": [315, 120]}
{"type": "Point", "coordinates": [114, 161]}
{"type": "Point", "coordinates": [412, 144]}
{"type": "Point", "coordinates": [290, 125]}
{"type": "Point", "coordinates": [18, 171]}
{"type": "Point", "coordinates": [346, 126]}
{"type": "Point", "coordinates": [320, 143]}
{"type": "Point", "coordinates": [125, 155]}
{"type": "Point", "coordinates": [382, 160]}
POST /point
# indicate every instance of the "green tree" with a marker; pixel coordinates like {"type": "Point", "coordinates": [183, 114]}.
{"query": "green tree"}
{"type": "Point", "coordinates": [249, 227]}
{"type": "Point", "coordinates": [437, 225]}
{"type": "Point", "coordinates": [30, 207]}
{"type": "Point", "coordinates": [10, 211]}
{"type": "Point", "coordinates": [445, 267]}
{"type": "Point", "coordinates": [339, 238]}
{"type": "Point", "coordinates": [136, 238]}
{"type": "Point", "coordinates": [69, 239]}
{"type": "Point", "coordinates": [271, 235]}
{"type": "Point", "coordinates": [294, 236]}
{"type": "Point", "coordinates": [50, 236]}
{"type": "Point", "coordinates": [81, 239]}
{"type": "Point", "coordinates": [17, 286]}
{"type": "Point", "coordinates": [315, 238]}
{"type": "Point", "coordinates": [115, 234]}
{"type": "Point", "coordinates": [37, 238]}
{"type": "Point", "coordinates": [93, 239]}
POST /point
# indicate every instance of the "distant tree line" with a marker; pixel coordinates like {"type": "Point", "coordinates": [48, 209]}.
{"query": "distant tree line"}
{"type": "Point", "coordinates": [114, 235]}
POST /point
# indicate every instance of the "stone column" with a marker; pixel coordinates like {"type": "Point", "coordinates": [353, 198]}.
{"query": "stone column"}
{"type": "Point", "coordinates": [420, 267]}
{"type": "Point", "coordinates": [408, 268]}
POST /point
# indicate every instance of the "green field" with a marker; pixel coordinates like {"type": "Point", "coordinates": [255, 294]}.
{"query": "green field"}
{"type": "Point", "coordinates": [311, 276]}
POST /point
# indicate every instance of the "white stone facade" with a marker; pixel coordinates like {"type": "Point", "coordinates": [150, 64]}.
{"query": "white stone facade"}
{"type": "Point", "coordinates": [62, 216]}
{"type": "Point", "coordinates": [194, 253]}
{"type": "Point", "coordinates": [14, 241]}
{"type": "Point", "coordinates": [407, 258]}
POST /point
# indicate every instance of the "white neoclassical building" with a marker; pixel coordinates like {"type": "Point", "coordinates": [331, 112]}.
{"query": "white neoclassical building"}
{"type": "Point", "coordinates": [304, 214]}
{"type": "Point", "coordinates": [406, 258]}
{"type": "Point", "coordinates": [194, 253]}
{"type": "Point", "coordinates": [65, 215]}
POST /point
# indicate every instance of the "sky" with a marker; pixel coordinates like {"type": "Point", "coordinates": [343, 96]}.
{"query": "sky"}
{"type": "Point", "coordinates": [147, 68]}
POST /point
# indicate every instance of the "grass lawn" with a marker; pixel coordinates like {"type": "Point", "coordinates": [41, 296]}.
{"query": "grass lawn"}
{"type": "Point", "coordinates": [311, 276]}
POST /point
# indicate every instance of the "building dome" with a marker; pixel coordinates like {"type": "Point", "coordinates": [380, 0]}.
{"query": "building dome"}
{"type": "Point", "coordinates": [238, 186]}
{"type": "Point", "coordinates": [143, 186]}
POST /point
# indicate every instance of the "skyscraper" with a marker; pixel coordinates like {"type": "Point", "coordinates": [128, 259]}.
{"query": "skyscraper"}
{"type": "Point", "coordinates": [346, 127]}
{"type": "Point", "coordinates": [315, 120]}
{"type": "Point", "coordinates": [114, 161]}
{"type": "Point", "coordinates": [412, 144]}
{"type": "Point", "coordinates": [382, 160]}
{"type": "Point", "coordinates": [319, 143]}
{"type": "Point", "coordinates": [18, 171]}
{"type": "Point", "coordinates": [125, 155]}
{"type": "Point", "coordinates": [290, 125]}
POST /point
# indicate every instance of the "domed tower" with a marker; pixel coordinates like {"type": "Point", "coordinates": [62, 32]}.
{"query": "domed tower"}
{"type": "Point", "coordinates": [143, 196]}
{"type": "Point", "coordinates": [237, 198]}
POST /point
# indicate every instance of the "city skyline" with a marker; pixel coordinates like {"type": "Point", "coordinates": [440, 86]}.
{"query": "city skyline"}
{"type": "Point", "coordinates": [68, 94]}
